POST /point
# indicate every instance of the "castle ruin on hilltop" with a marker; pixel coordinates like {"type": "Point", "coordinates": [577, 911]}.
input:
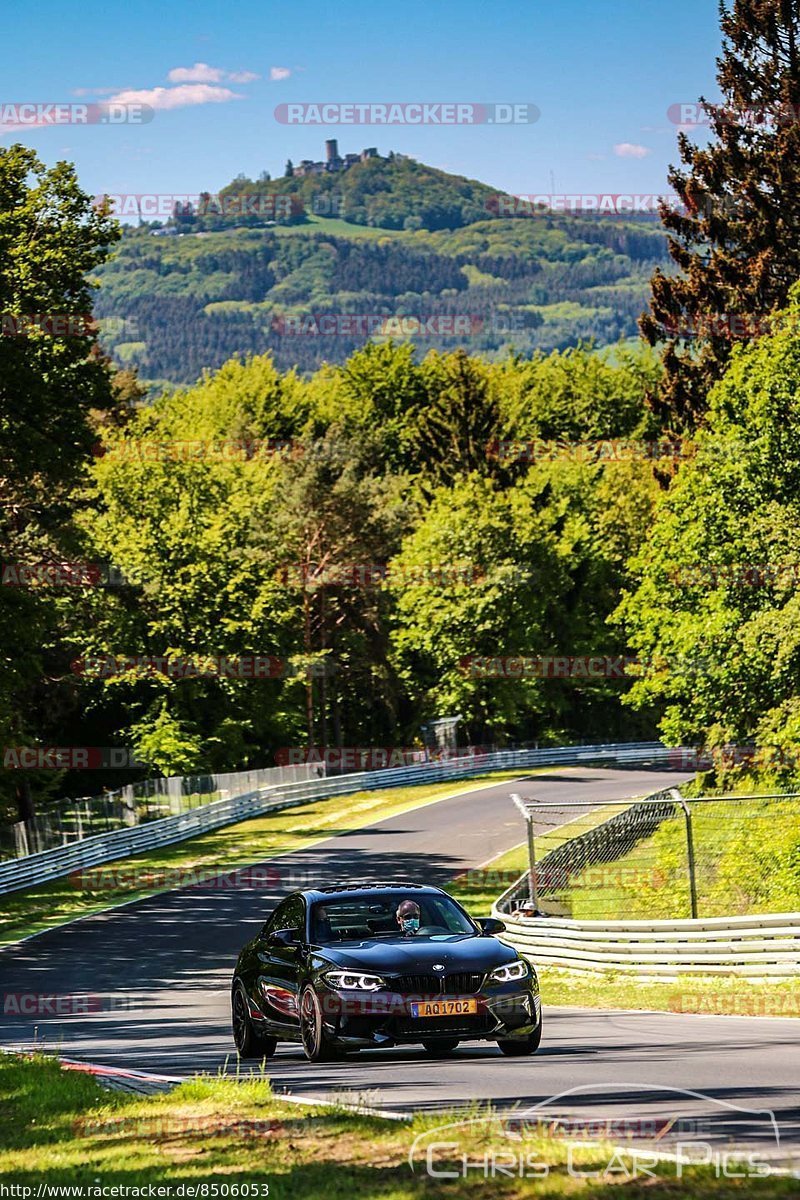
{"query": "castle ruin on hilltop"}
{"type": "Point", "coordinates": [333, 160]}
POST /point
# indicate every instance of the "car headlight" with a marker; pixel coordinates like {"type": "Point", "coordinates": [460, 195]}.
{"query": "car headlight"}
{"type": "Point", "coordinates": [509, 971]}
{"type": "Point", "coordinates": [354, 980]}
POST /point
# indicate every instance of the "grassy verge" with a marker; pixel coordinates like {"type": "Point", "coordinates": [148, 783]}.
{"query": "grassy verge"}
{"type": "Point", "coordinates": [726, 995]}
{"type": "Point", "coordinates": [220, 851]}
{"type": "Point", "coordinates": [60, 1128]}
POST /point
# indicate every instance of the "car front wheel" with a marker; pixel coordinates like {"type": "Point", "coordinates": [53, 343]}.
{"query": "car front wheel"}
{"type": "Point", "coordinates": [248, 1042]}
{"type": "Point", "coordinates": [316, 1042]}
{"type": "Point", "coordinates": [516, 1047]}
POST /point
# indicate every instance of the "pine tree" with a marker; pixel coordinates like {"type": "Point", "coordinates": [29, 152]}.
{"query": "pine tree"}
{"type": "Point", "coordinates": [289, 171]}
{"type": "Point", "coordinates": [736, 234]}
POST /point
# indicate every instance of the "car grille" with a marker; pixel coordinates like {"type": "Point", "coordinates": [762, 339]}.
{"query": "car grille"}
{"type": "Point", "coordinates": [459, 983]}
{"type": "Point", "coordinates": [467, 1025]}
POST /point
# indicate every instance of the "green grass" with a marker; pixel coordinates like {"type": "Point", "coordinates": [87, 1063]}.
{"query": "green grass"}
{"type": "Point", "coordinates": [222, 850]}
{"type": "Point", "coordinates": [747, 857]}
{"type": "Point", "coordinates": [57, 1128]}
{"type": "Point", "coordinates": [726, 995]}
{"type": "Point", "coordinates": [335, 225]}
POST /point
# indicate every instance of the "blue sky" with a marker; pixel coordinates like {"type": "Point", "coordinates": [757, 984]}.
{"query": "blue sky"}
{"type": "Point", "coordinates": [602, 73]}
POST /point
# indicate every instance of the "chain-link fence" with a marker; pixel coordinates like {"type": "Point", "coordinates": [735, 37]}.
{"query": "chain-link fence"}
{"type": "Point", "coordinates": [664, 857]}
{"type": "Point", "coordinates": [72, 820]}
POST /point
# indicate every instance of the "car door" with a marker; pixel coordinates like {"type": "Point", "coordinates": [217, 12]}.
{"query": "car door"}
{"type": "Point", "coordinates": [279, 966]}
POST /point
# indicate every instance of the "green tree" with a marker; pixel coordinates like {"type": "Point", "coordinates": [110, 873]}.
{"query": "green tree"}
{"type": "Point", "coordinates": [716, 612]}
{"type": "Point", "coordinates": [181, 501]}
{"type": "Point", "coordinates": [339, 520]}
{"type": "Point", "coordinates": [458, 416]}
{"type": "Point", "coordinates": [734, 238]}
{"type": "Point", "coordinates": [51, 377]}
{"type": "Point", "coordinates": [162, 742]}
{"type": "Point", "coordinates": [498, 572]}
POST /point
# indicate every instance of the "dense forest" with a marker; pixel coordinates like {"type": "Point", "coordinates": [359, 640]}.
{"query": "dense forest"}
{"type": "Point", "coordinates": [371, 529]}
{"type": "Point", "coordinates": [175, 306]}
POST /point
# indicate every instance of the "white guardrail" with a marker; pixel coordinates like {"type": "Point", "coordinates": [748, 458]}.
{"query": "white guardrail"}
{"type": "Point", "coordinates": [754, 947]}
{"type": "Point", "coordinates": [120, 843]}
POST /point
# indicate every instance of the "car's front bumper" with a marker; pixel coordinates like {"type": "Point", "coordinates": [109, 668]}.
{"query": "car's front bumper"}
{"type": "Point", "coordinates": [385, 1018]}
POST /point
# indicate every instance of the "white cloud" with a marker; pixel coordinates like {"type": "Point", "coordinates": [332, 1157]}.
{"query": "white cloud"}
{"type": "Point", "coordinates": [177, 97]}
{"type": "Point", "coordinates": [276, 73]}
{"type": "Point", "coordinates": [199, 73]}
{"type": "Point", "coordinates": [93, 91]}
{"type": "Point", "coordinates": [631, 150]}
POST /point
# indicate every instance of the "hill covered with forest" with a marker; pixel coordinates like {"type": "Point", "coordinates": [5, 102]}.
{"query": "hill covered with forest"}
{"type": "Point", "coordinates": [310, 267]}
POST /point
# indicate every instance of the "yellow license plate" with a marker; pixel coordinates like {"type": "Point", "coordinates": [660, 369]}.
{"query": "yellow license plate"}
{"type": "Point", "coordinates": [443, 1008]}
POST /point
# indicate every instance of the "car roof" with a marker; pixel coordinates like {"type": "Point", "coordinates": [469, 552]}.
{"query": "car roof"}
{"type": "Point", "coordinates": [352, 889]}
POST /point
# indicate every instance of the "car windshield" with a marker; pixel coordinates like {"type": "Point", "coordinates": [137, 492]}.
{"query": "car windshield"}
{"type": "Point", "coordinates": [363, 917]}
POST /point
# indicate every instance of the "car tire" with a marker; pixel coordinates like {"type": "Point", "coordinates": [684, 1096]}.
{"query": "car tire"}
{"type": "Point", "coordinates": [248, 1043]}
{"type": "Point", "coordinates": [442, 1048]}
{"type": "Point", "coordinates": [517, 1047]}
{"type": "Point", "coordinates": [316, 1044]}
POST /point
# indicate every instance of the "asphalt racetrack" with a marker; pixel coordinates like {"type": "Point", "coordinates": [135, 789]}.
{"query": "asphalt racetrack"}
{"type": "Point", "coordinates": [160, 969]}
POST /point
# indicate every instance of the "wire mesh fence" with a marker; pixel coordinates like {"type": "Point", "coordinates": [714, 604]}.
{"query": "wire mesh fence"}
{"type": "Point", "coordinates": [70, 820]}
{"type": "Point", "coordinates": [664, 857]}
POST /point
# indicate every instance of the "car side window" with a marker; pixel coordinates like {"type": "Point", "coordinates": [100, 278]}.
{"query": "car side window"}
{"type": "Point", "coordinates": [291, 914]}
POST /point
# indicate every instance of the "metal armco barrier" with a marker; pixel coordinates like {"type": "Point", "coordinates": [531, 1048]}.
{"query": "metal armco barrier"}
{"type": "Point", "coordinates": [753, 947]}
{"type": "Point", "coordinates": [106, 847]}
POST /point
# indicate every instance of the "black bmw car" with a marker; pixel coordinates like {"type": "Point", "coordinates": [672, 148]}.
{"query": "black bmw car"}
{"type": "Point", "coordinates": [360, 965]}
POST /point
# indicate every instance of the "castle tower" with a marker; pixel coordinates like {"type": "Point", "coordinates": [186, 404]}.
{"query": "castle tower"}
{"type": "Point", "coordinates": [331, 150]}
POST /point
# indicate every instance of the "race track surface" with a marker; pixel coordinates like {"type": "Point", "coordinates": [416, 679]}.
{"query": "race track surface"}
{"type": "Point", "coordinates": [160, 972]}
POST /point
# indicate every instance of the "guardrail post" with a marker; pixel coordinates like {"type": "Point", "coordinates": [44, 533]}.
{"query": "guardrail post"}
{"type": "Point", "coordinates": [687, 813]}
{"type": "Point", "coordinates": [533, 889]}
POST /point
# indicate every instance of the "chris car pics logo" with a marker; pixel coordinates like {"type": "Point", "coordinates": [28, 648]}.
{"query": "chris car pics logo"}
{"type": "Point", "coordinates": [649, 1139]}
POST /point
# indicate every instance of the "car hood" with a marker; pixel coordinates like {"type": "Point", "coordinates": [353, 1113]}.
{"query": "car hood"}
{"type": "Point", "coordinates": [414, 955]}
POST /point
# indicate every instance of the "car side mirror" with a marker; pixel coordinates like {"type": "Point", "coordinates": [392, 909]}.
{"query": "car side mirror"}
{"type": "Point", "coordinates": [490, 926]}
{"type": "Point", "coordinates": [281, 937]}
